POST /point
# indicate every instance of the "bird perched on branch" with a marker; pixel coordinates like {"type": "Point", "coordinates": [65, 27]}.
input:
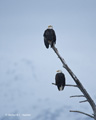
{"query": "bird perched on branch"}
{"type": "Point", "coordinates": [60, 80]}
{"type": "Point", "coordinates": [49, 37]}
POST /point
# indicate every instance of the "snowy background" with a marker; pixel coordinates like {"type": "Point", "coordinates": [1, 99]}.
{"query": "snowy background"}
{"type": "Point", "coordinates": [27, 68]}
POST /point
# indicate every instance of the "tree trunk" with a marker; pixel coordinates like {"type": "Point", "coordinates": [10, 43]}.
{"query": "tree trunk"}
{"type": "Point", "coordinates": [80, 86]}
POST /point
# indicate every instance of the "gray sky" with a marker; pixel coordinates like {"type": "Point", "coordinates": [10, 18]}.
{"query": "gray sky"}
{"type": "Point", "coordinates": [22, 24]}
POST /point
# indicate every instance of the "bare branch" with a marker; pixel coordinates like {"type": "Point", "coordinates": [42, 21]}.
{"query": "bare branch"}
{"type": "Point", "coordinates": [71, 85]}
{"type": "Point", "coordinates": [76, 80]}
{"type": "Point", "coordinates": [67, 85]}
{"type": "Point", "coordinates": [82, 113]}
{"type": "Point", "coordinates": [77, 96]}
{"type": "Point", "coordinates": [83, 101]}
{"type": "Point", "coordinates": [53, 84]}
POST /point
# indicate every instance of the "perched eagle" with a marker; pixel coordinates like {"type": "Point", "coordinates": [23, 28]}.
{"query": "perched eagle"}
{"type": "Point", "coordinates": [60, 80]}
{"type": "Point", "coordinates": [49, 37]}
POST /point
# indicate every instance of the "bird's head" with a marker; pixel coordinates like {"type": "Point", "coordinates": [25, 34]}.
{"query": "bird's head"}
{"type": "Point", "coordinates": [59, 71]}
{"type": "Point", "coordinates": [50, 27]}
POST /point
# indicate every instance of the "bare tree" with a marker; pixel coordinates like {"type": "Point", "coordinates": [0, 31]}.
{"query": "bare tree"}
{"type": "Point", "coordinates": [79, 85]}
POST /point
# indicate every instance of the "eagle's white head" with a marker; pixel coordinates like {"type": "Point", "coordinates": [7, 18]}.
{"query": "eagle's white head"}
{"type": "Point", "coordinates": [50, 27]}
{"type": "Point", "coordinates": [59, 71]}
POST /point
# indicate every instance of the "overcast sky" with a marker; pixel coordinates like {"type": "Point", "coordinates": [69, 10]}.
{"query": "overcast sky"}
{"type": "Point", "coordinates": [22, 24]}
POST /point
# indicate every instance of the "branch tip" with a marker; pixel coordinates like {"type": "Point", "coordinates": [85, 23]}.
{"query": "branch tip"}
{"type": "Point", "coordinates": [77, 96]}
{"type": "Point", "coordinates": [82, 113]}
{"type": "Point", "coordinates": [83, 101]}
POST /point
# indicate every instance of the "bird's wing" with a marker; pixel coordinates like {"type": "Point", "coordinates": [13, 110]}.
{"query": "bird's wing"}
{"type": "Point", "coordinates": [46, 43]}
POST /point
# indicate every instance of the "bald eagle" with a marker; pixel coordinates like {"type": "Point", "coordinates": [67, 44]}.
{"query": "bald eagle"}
{"type": "Point", "coordinates": [60, 80]}
{"type": "Point", "coordinates": [49, 37]}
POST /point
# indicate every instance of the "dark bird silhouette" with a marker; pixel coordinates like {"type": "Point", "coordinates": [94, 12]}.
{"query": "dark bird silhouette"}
{"type": "Point", "coordinates": [49, 37]}
{"type": "Point", "coordinates": [59, 80]}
